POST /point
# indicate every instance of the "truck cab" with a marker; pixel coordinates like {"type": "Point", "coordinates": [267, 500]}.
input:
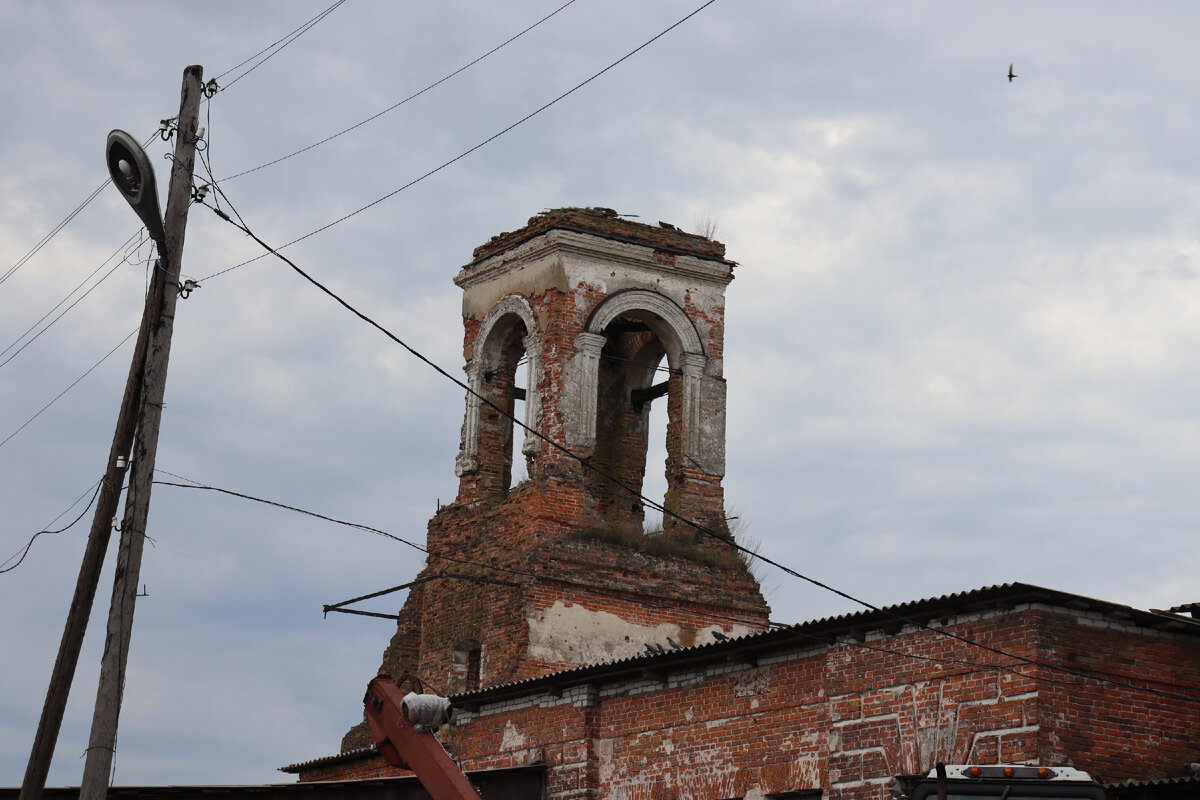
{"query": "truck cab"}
{"type": "Point", "coordinates": [1009, 782]}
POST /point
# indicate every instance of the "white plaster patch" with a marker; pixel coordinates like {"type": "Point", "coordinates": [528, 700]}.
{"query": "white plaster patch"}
{"type": "Point", "coordinates": [577, 635]}
{"type": "Point", "coordinates": [604, 757]}
{"type": "Point", "coordinates": [512, 739]}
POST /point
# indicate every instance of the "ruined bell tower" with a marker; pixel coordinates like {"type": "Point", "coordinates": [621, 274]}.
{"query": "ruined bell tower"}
{"type": "Point", "coordinates": [547, 567]}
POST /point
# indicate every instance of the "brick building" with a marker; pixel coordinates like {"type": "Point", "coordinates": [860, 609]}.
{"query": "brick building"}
{"type": "Point", "coordinates": [604, 662]}
{"type": "Point", "coordinates": [850, 707]}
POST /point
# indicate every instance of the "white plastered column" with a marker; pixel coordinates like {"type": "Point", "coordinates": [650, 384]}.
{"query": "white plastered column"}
{"type": "Point", "coordinates": [467, 460]}
{"type": "Point", "coordinates": [587, 373]}
{"type": "Point", "coordinates": [693, 373]}
{"type": "Point", "coordinates": [533, 397]}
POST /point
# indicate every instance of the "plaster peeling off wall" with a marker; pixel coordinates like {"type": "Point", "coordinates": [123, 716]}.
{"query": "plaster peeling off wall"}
{"type": "Point", "coordinates": [571, 633]}
{"type": "Point", "coordinates": [512, 739]}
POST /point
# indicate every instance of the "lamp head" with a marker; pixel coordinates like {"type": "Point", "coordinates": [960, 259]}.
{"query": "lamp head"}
{"type": "Point", "coordinates": [133, 176]}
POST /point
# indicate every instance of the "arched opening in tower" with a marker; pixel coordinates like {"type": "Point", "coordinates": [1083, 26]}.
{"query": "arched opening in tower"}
{"type": "Point", "coordinates": [655, 484]}
{"type": "Point", "coordinates": [515, 445]}
{"type": "Point", "coordinates": [504, 385]}
{"type": "Point", "coordinates": [637, 436]}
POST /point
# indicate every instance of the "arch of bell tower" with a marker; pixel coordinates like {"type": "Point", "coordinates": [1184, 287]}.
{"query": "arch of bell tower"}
{"type": "Point", "coordinates": [588, 286]}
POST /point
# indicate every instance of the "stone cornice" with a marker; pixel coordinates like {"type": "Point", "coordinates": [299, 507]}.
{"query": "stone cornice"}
{"type": "Point", "coordinates": [570, 243]}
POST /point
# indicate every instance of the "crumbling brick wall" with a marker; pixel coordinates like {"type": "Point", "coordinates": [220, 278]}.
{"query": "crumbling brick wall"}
{"type": "Point", "coordinates": [846, 716]}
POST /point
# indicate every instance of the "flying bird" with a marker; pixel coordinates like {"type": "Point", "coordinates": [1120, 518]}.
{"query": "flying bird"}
{"type": "Point", "coordinates": [1011, 74]}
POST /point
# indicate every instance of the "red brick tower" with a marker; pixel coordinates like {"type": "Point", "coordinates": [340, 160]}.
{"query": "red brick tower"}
{"type": "Point", "coordinates": [556, 570]}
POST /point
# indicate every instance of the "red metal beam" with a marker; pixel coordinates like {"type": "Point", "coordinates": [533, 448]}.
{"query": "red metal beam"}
{"type": "Point", "coordinates": [401, 745]}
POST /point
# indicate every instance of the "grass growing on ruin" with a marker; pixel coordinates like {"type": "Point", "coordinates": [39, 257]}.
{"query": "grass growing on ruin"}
{"type": "Point", "coordinates": [655, 543]}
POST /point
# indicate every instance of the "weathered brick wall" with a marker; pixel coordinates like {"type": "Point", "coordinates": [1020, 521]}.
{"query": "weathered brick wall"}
{"type": "Point", "coordinates": [496, 574]}
{"type": "Point", "coordinates": [846, 717]}
{"type": "Point", "coordinates": [901, 703]}
{"type": "Point", "coordinates": [1128, 728]}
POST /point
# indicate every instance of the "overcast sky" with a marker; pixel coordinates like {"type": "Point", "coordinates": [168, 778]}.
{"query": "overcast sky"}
{"type": "Point", "coordinates": [961, 342]}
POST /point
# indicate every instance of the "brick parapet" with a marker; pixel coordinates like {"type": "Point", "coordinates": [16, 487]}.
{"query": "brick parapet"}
{"type": "Point", "coordinates": [604, 223]}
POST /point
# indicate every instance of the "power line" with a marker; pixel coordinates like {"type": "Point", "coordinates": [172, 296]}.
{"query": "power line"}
{"type": "Point", "coordinates": [276, 46]}
{"type": "Point", "coordinates": [69, 388]}
{"type": "Point", "coordinates": [413, 96]}
{"type": "Point", "coordinates": [68, 297]}
{"type": "Point", "coordinates": [701, 529]}
{"type": "Point", "coordinates": [25, 550]}
{"type": "Point", "coordinates": [37, 248]}
{"type": "Point", "coordinates": [286, 40]}
{"type": "Point", "coordinates": [53, 232]}
{"type": "Point", "coordinates": [536, 433]}
{"type": "Point", "coordinates": [484, 143]}
{"type": "Point", "coordinates": [194, 484]}
{"type": "Point", "coordinates": [1023, 662]}
{"type": "Point", "coordinates": [652, 504]}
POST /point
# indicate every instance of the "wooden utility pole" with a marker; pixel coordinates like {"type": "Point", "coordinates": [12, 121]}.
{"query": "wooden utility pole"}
{"type": "Point", "coordinates": [98, 764]}
{"type": "Point", "coordinates": [89, 572]}
{"type": "Point", "coordinates": [161, 291]}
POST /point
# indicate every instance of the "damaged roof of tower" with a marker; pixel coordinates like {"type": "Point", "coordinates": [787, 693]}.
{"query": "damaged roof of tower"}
{"type": "Point", "coordinates": [607, 223]}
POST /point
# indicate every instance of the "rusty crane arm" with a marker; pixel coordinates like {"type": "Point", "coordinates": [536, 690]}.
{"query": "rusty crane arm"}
{"type": "Point", "coordinates": [402, 745]}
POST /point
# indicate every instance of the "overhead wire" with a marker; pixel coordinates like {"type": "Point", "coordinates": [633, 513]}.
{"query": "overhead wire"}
{"type": "Point", "coordinates": [585, 462]}
{"type": "Point", "coordinates": [31, 340]}
{"type": "Point", "coordinates": [25, 550]}
{"type": "Point", "coordinates": [194, 484]}
{"type": "Point", "coordinates": [53, 232]}
{"type": "Point", "coordinates": [286, 40]}
{"type": "Point", "coordinates": [652, 504]}
{"type": "Point", "coordinates": [73, 384]}
{"type": "Point", "coordinates": [831, 641]}
{"type": "Point", "coordinates": [275, 47]}
{"type": "Point", "coordinates": [478, 146]}
{"type": "Point", "coordinates": [103, 358]}
{"type": "Point", "coordinates": [399, 103]}
{"type": "Point", "coordinates": [697, 527]}
{"type": "Point", "coordinates": [45, 240]}
{"type": "Point", "coordinates": [700, 529]}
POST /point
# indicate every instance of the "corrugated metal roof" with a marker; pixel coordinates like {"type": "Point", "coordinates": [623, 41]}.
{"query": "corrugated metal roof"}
{"type": "Point", "coordinates": [349, 755]}
{"type": "Point", "coordinates": [888, 619]}
{"type": "Point", "coordinates": [1189, 780]}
